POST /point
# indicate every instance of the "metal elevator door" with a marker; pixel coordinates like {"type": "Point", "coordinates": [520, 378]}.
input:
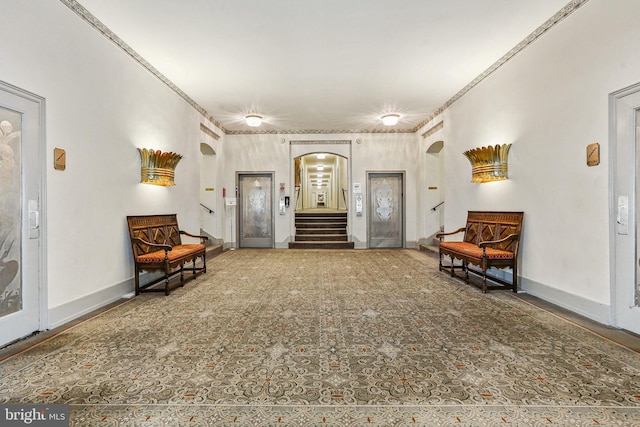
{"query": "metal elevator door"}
{"type": "Point", "coordinates": [255, 210]}
{"type": "Point", "coordinates": [385, 213]}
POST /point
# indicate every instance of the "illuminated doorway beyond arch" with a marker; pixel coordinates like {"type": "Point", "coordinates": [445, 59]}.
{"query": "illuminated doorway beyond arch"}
{"type": "Point", "coordinates": [321, 181]}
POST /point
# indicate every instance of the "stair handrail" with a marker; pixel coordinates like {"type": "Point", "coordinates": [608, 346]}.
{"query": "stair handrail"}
{"type": "Point", "coordinates": [297, 191]}
{"type": "Point", "coordinates": [211, 211]}
{"type": "Point", "coordinates": [437, 206]}
{"type": "Point", "coordinates": [344, 197]}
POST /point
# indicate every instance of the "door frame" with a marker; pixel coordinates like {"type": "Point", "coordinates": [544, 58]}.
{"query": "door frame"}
{"type": "Point", "coordinates": [338, 147]}
{"type": "Point", "coordinates": [272, 175]}
{"type": "Point", "coordinates": [623, 256]}
{"type": "Point", "coordinates": [40, 149]}
{"type": "Point", "coordinates": [402, 174]}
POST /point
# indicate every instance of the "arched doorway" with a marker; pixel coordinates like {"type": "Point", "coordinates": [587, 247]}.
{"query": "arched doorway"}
{"type": "Point", "coordinates": [321, 177]}
{"type": "Point", "coordinates": [321, 181]}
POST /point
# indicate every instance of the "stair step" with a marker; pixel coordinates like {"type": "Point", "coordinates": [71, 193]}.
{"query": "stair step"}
{"type": "Point", "coordinates": [320, 224]}
{"type": "Point", "coordinates": [321, 237]}
{"type": "Point", "coordinates": [321, 219]}
{"type": "Point", "coordinates": [430, 249]}
{"type": "Point", "coordinates": [213, 250]}
{"type": "Point", "coordinates": [321, 245]}
{"type": "Point", "coordinates": [321, 231]}
{"type": "Point", "coordinates": [321, 214]}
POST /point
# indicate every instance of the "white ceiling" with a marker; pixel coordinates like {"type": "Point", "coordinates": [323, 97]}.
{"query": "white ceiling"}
{"type": "Point", "coordinates": [322, 66]}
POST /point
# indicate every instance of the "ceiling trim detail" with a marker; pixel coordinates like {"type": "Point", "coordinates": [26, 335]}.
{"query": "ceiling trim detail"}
{"type": "Point", "coordinates": [320, 142]}
{"type": "Point", "coordinates": [315, 131]}
{"type": "Point", "coordinates": [83, 13]}
{"type": "Point", "coordinates": [535, 35]}
{"type": "Point", "coordinates": [434, 129]}
{"type": "Point", "coordinates": [209, 132]}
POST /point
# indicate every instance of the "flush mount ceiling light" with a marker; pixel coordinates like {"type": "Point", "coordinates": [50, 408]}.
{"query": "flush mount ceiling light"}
{"type": "Point", "coordinates": [390, 119]}
{"type": "Point", "coordinates": [253, 120]}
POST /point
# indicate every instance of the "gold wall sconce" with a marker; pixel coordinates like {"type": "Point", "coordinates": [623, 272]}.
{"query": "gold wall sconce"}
{"type": "Point", "coordinates": [489, 163]}
{"type": "Point", "coordinates": [158, 167]}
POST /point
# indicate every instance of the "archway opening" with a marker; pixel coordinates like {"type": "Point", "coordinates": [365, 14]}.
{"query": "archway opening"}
{"type": "Point", "coordinates": [321, 181]}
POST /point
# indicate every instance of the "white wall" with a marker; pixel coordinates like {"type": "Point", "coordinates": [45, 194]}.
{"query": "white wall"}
{"type": "Point", "coordinates": [388, 152]}
{"type": "Point", "coordinates": [100, 107]}
{"type": "Point", "coordinates": [551, 101]}
{"type": "Point", "coordinates": [375, 152]}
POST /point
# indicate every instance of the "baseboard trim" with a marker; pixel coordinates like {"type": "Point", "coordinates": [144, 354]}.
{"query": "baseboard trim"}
{"type": "Point", "coordinates": [577, 304]}
{"type": "Point", "coordinates": [71, 310]}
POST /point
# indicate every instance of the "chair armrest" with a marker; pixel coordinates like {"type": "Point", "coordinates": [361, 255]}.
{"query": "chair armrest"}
{"type": "Point", "coordinates": [459, 230]}
{"type": "Point", "coordinates": [486, 243]}
{"type": "Point", "coordinates": [154, 245]}
{"type": "Point", "coordinates": [202, 238]}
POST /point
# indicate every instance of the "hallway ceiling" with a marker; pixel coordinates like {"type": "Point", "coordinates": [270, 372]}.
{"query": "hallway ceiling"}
{"type": "Point", "coordinates": [322, 66]}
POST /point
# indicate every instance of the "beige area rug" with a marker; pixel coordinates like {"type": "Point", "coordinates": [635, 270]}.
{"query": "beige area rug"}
{"type": "Point", "coordinates": [338, 338]}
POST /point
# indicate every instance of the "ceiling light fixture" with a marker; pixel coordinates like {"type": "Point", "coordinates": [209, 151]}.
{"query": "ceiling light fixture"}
{"type": "Point", "coordinates": [390, 119]}
{"type": "Point", "coordinates": [253, 120]}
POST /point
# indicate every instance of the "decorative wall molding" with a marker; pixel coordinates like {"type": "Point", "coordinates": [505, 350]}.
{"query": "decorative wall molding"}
{"type": "Point", "coordinates": [571, 7]}
{"type": "Point", "coordinates": [321, 142]}
{"type": "Point", "coordinates": [315, 131]}
{"type": "Point", "coordinates": [434, 129]}
{"type": "Point", "coordinates": [83, 13]}
{"type": "Point", "coordinates": [209, 132]}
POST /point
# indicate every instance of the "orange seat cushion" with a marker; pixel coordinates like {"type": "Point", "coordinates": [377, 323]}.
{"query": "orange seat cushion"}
{"type": "Point", "coordinates": [469, 249]}
{"type": "Point", "coordinates": [176, 253]}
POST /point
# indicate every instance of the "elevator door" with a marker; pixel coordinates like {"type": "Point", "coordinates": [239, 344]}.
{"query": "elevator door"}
{"type": "Point", "coordinates": [255, 210]}
{"type": "Point", "coordinates": [386, 210]}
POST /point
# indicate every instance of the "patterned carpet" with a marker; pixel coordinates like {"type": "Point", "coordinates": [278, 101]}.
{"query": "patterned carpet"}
{"type": "Point", "coordinates": [338, 338]}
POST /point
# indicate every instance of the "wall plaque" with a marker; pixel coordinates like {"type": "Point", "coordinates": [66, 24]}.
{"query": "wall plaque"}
{"type": "Point", "coordinates": [593, 154]}
{"type": "Point", "coordinates": [59, 159]}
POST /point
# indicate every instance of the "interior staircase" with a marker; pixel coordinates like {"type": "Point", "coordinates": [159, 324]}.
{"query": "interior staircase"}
{"type": "Point", "coordinates": [431, 245]}
{"type": "Point", "coordinates": [321, 230]}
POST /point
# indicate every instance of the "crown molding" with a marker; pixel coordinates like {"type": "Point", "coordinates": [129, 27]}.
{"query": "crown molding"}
{"type": "Point", "coordinates": [83, 13]}
{"type": "Point", "coordinates": [321, 142]}
{"type": "Point", "coordinates": [567, 10]}
{"type": "Point", "coordinates": [314, 131]}
{"type": "Point", "coordinates": [209, 132]}
{"type": "Point", "coordinates": [434, 129]}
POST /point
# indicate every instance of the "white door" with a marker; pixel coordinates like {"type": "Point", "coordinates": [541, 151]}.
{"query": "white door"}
{"type": "Point", "coordinates": [625, 149]}
{"type": "Point", "coordinates": [21, 139]}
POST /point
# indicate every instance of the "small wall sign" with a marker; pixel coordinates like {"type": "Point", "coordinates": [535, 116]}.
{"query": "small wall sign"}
{"type": "Point", "coordinates": [59, 159]}
{"type": "Point", "coordinates": [593, 154]}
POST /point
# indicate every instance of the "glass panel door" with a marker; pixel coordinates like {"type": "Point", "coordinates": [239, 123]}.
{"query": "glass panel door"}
{"type": "Point", "coordinates": [20, 188]}
{"type": "Point", "coordinates": [255, 207]}
{"type": "Point", "coordinates": [385, 213]}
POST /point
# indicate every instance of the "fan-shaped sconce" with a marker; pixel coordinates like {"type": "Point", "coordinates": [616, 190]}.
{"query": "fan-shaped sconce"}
{"type": "Point", "coordinates": [158, 167]}
{"type": "Point", "coordinates": [489, 163]}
